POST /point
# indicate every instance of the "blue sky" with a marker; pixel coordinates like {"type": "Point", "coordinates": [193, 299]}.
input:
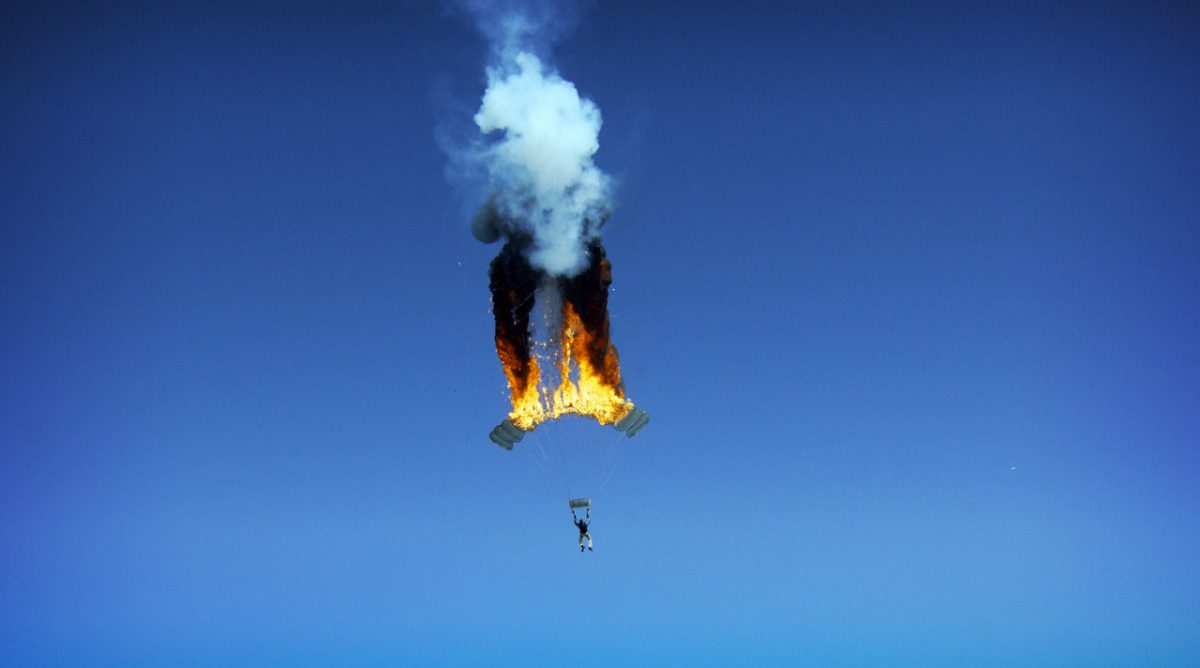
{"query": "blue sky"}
{"type": "Point", "coordinates": [909, 291]}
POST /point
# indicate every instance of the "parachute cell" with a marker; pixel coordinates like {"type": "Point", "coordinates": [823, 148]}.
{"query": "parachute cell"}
{"type": "Point", "coordinates": [506, 434]}
{"type": "Point", "coordinates": [633, 422]}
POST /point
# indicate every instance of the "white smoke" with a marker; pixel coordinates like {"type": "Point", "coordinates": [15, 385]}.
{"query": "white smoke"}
{"type": "Point", "coordinates": [539, 137]}
{"type": "Point", "coordinates": [541, 168]}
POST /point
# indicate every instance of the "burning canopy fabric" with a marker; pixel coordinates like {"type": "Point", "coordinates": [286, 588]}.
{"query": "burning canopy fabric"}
{"type": "Point", "coordinates": [586, 371]}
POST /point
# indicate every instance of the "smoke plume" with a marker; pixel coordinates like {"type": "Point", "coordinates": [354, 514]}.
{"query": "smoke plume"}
{"type": "Point", "coordinates": [539, 137]}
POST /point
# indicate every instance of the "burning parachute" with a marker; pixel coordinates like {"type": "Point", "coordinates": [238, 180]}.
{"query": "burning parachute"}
{"type": "Point", "coordinates": [572, 368]}
{"type": "Point", "coordinates": [550, 281]}
{"type": "Point", "coordinates": [553, 339]}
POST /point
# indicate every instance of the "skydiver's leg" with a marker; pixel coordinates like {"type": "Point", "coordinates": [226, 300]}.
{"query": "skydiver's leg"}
{"type": "Point", "coordinates": [589, 537]}
{"type": "Point", "coordinates": [581, 542]}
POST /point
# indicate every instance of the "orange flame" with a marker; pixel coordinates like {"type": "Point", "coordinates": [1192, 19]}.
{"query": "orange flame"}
{"type": "Point", "coordinates": [523, 383]}
{"type": "Point", "coordinates": [595, 392]}
{"type": "Point", "coordinates": [584, 374]}
{"type": "Point", "coordinates": [583, 389]}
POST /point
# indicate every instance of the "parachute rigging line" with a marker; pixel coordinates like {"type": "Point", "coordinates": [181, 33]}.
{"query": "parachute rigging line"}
{"type": "Point", "coordinates": [544, 475]}
{"type": "Point", "coordinates": [614, 457]}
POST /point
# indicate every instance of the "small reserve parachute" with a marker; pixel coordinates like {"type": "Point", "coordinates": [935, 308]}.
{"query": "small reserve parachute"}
{"type": "Point", "coordinates": [579, 504]}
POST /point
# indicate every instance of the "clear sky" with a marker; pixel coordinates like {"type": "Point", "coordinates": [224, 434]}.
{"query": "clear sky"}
{"type": "Point", "coordinates": [911, 293]}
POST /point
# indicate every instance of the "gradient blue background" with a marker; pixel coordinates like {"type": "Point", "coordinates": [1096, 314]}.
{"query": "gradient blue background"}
{"type": "Point", "coordinates": [911, 293]}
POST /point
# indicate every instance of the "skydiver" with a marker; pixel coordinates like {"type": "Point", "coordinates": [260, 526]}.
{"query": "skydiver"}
{"type": "Point", "coordinates": [583, 528]}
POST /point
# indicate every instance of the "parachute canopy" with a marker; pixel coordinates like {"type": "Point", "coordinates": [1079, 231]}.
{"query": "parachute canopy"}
{"type": "Point", "coordinates": [580, 503]}
{"type": "Point", "coordinates": [633, 422]}
{"type": "Point", "coordinates": [506, 434]}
